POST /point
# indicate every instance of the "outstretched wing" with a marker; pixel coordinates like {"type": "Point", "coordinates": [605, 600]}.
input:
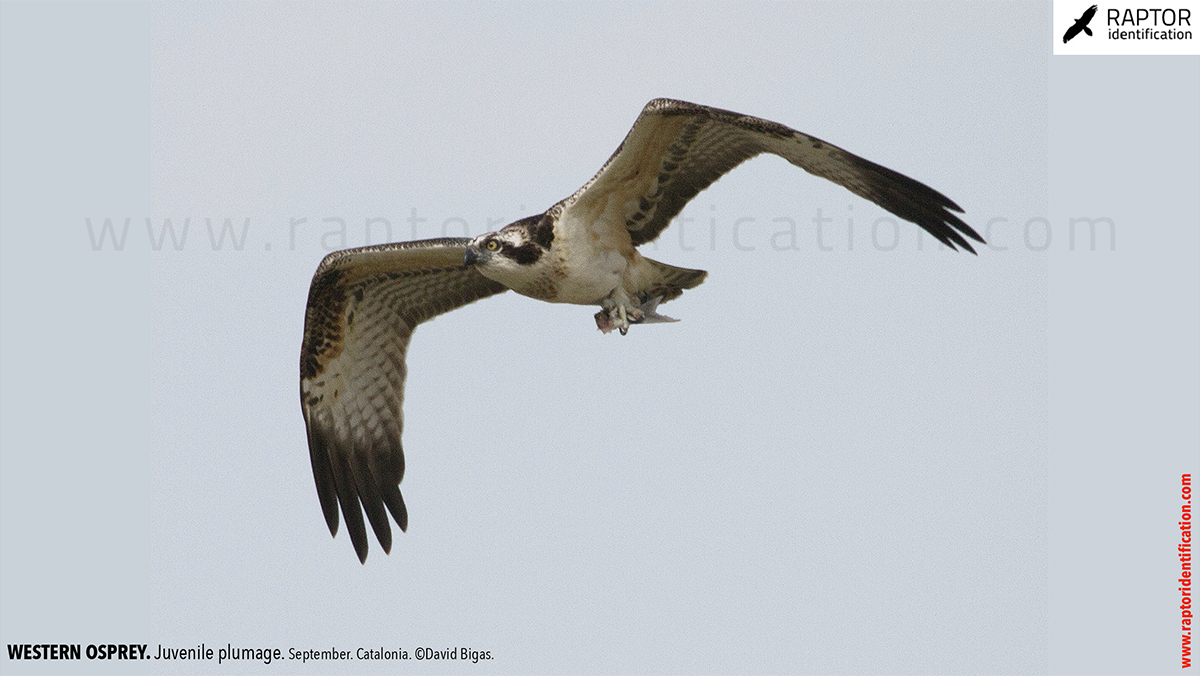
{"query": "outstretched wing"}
{"type": "Point", "coordinates": [362, 308]}
{"type": "Point", "coordinates": [676, 149]}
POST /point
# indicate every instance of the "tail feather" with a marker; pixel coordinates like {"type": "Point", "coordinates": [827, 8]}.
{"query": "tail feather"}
{"type": "Point", "coordinates": [649, 314]}
{"type": "Point", "coordinates": [672, 281]}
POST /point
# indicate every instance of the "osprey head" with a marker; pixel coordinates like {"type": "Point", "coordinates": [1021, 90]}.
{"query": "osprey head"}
{"type": "Point", "coordinates": [511, 249]}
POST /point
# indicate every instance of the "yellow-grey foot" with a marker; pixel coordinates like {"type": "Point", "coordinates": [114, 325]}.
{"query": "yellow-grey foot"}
{"type": "Point", "coordinates": [621, 314]}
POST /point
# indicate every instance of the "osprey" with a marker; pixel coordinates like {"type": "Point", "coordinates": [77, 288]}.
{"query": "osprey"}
{"type": "Point", "coordinates": [364, 303]}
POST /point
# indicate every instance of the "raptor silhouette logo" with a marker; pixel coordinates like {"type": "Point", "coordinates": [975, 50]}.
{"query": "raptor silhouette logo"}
{"type": "Point", "coordinates": [1081, 24]}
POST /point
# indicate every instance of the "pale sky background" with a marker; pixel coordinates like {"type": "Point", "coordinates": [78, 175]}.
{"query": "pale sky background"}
{"type": "Point", "coordinates": [881, 458]}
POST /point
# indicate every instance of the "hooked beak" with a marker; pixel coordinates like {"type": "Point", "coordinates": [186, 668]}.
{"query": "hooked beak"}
{"type": "Point", "coordinates": [471, 257]}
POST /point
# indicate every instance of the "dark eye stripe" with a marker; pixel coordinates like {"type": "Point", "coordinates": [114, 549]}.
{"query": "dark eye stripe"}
{"type": "Point", "coordinates": [526, 254]}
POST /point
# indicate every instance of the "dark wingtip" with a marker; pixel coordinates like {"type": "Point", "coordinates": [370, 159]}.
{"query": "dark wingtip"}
{"type": "Point", "coordinates": [360, 544]}
{"type": "Point", "coordinates": [332, 520]}
{"type": "Point", "coordinates": [318, 446]}
{"type": "Point", "coordinates": [395, 504]}
{"type": "Point", "coordinates": [955, 242]}
{"type": "Point", "coordinates": [358, 536]}
{"type": "Point", "coordinates": [916, 203]}
{"type": "Point", "coordinates": [372, 502]}
{"type": "Point", "coordinates": [969, 232]}
{"type": "Point", "coordinates": [966, 244]}
{"type": "Point", "coordinates": [348, 498]}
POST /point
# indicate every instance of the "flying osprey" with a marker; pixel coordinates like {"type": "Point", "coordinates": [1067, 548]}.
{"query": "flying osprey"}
{"type": "Point", "coordinates": [364, 303]}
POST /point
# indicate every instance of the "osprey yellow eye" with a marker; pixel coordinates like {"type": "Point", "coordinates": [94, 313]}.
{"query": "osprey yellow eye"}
{"type": "Point", "coordinates": [492, 245]}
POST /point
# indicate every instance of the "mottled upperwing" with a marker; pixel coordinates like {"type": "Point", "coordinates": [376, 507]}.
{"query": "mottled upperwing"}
{"type": "Point", "coordinates": [362, 308]}
{"type": "Point", "coordinates": [676, 149]}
